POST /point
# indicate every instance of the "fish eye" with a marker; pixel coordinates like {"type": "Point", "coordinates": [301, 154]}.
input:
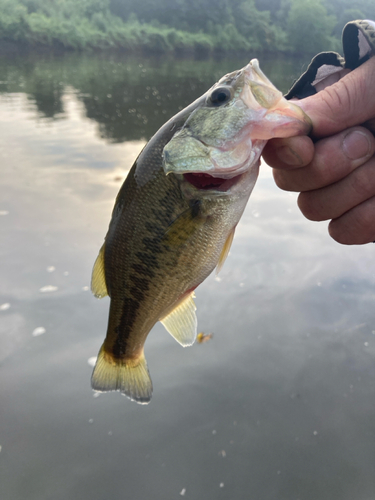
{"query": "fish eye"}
{"type": "Point", "coordinates": [220, 96]}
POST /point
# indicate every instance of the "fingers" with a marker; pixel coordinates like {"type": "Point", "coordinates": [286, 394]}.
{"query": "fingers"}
{"type": "Point", "coordinates": [335, 158]}
{"type": "Point", "coordinates": [289, 153]}
{"type": "Point", "coordinates": [337, 184]}
{"type": "Point", "coordinates": [344, 104]}
{"type": "Point", "coordinates": [355, 227]}
{"type": "Point", "coordinates": [337, 199]}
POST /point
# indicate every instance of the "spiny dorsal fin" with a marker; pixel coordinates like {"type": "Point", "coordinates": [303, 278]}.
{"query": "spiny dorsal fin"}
{"type": "Point", "coordinates": [98, 285]}
{"type": "Point", "coordinates": [130, 377]}
{"type": "Point", "coordinates": [181, 322]}
{"type": "Point", "coordinates": [225, 250]}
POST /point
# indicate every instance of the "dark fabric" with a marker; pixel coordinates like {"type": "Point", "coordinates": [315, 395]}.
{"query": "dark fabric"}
{"type": "Point", "coordinates": [351, 46]}
{"type": "Point", "coordinates": [351, 35]}
{"type": "Point", "coordinates": [302, 87]}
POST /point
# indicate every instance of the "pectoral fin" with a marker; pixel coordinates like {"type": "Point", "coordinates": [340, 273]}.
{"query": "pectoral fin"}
{"type": "Point", "coordinates": [225, 251]}
{"type": "Point", "coordinates": [184, 226]}
{"type": "Point", "coordinates": [181, 322]}
{"type": "Point", "coordinates": [98, 284]}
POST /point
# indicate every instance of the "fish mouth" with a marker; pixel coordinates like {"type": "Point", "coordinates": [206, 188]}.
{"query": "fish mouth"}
{"type": "Point", "coordinates": [207, 182]}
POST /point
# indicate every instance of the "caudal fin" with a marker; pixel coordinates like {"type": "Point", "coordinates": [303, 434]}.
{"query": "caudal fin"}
{"type": "Point", "coordinates": [130, 377]}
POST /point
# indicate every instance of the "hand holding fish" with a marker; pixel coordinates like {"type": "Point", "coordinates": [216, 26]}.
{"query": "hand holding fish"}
{"type": "Point", "coordinates": [336, 174]}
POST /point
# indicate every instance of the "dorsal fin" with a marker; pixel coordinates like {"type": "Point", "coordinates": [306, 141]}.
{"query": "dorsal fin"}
{"type": "Point", "coordinates": [98, 284]}
{"type": "Point", "coordinates": [225, 250]}
{"type": "Point", "coordinates": [181, 322]}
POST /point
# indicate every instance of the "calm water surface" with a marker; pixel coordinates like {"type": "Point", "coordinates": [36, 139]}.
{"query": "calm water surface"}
{"type": "Point", "coordinates": [279, 405]}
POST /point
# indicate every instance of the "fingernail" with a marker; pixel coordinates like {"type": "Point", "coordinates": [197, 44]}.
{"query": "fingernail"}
{"type": "Point", "coordinates": [356, 145]}
{"type": "Point", "coordinates": [288, 156]}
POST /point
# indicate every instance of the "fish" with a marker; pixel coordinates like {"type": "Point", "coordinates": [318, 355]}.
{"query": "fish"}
{"type": "Point", "coordinates": [175, 216]}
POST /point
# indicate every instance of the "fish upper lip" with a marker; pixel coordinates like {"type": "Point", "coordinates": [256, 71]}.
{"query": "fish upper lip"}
{"type": "Point", "coordinates": [227, 173]}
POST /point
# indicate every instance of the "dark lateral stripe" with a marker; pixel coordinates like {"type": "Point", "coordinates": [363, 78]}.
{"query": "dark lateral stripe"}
{"type": "Point", "coordinates": [124, 329]}
{"type": "Point", "coordinates": [143, 270]}
{"type": "Point", "coordinates": [138, 289]}
{"type": "Point", "coordinates": [148, 259]}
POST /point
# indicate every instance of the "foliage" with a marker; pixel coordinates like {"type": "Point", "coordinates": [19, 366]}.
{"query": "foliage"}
{"type": "Point", "coordinates": [12, 20]}
{"type": "Point", "coordinates": [199, 26]}
{"type": "Point", "coordinates": [309, 26]}
{"type": "Point", "coordinates": [346, 16]}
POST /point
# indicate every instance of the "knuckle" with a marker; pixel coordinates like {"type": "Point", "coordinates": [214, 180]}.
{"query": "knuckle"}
{"type": "Point", "coordinates": [338, 97]}
{"type": "Point", "coordinates": [329, 164]}
{"type": "Point", "coordinates": [339, 233]}
{"type": "Point", "coordinates": [356, 227]}
{"type": "Point", "coordinates": [332, 98]}
{"type": "Point", "coordinates": [282, 180]}
{"type": "Point", "coordinates": [323, 165]}
{"type": "Point", "coordinates": [361, 182]}
{"type": "Point", "coordinates": [363, 219]}
{"type": "Point", "coordinates": [310, 207]}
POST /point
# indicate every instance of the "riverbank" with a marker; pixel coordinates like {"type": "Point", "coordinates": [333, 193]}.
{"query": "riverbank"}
{"type": "Point", "coordinates": [100, 25]}
{"type": "Point", "coordinates": [138, 38]}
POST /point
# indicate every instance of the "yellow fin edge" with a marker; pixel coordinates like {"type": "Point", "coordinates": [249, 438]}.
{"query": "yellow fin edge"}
{"type": "Point", "coordinates": [181, 322]}
{"type": "Point", "coordinates": [130, 377]}
{"type": "Point", "coordinates": [98, 284]}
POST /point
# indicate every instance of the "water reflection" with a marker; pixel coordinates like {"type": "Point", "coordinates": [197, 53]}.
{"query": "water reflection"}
{"type": "Point", "coordinates": [129, 98]}
{"type": "Point", "coordinates": [278, 405]}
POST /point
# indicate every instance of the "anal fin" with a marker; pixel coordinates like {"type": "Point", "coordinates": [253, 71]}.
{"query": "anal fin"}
{"type": "Point", "coordinates": [181, 322]}
{"type": "Point", "coordinates": [98, 284]}
{"type": "Point", "coordinates": [130, 377]}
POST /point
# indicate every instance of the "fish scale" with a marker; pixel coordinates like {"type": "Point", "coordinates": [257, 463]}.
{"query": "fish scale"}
{"type": "Point", "coordinates": [171, 226]}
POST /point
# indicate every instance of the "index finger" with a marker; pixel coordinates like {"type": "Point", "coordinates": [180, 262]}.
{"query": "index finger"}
{"type": "Point", "coordinates": [289, 153]}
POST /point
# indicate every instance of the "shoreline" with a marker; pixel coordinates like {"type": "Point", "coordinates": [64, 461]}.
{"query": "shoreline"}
{"type": "Point", "coordinates": [10, 48]}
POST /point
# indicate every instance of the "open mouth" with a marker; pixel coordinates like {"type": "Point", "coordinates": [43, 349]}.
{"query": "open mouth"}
{"type": "Point", "coordinates": [206, 181]}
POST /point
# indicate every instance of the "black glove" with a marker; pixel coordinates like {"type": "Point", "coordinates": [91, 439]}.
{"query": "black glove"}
{"type": "Point", "coordinates": [358, 41]}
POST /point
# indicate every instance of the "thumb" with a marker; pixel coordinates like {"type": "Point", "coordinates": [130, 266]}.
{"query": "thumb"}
{"type": "Point", "coordinates": [346, 103]}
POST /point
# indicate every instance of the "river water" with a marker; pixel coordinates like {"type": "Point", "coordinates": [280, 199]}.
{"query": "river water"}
{"type": "Point", "coordinates": [278, 405]}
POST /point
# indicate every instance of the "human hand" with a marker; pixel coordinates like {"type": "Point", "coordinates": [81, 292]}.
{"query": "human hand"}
{"type": "Point", "coordinates": [336, 174]}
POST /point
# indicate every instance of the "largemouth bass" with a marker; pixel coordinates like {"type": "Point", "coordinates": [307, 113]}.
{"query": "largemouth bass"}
{"type": "Point", "coordinates": [175, 216]}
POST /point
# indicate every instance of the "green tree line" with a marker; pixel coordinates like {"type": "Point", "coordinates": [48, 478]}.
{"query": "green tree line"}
{"type": "Point", "coordinates": [200, 26]}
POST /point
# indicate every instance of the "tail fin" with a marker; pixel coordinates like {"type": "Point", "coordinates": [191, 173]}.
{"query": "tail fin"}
{"type": "Point", "coordinates": [130, 377]}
